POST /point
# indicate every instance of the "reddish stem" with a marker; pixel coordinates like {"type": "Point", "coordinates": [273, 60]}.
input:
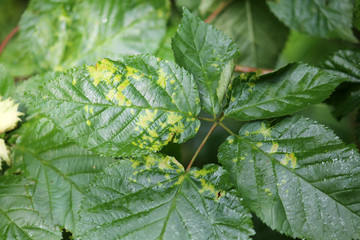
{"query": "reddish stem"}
{"type": "Point", "coordinates": [217, 11]}
{"type": "Point", "coordinates": [8, 38]}
{"type": "Point", "coordinates": [239, 68]}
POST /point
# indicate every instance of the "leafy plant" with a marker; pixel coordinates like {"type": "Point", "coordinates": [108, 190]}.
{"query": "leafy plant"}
{"type": "Point", "coordinates": [98, 154]}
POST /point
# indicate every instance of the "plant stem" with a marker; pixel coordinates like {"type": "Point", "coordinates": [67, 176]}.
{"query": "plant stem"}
{"type": "Point", "coordinates": [205, 119]}
{"type": "Point", "coordinates": [217, 11]}
{"type": "Point", "coordinates": [8, 38]}
{"type": "Point", "coordinates": [239, 68]}
{"type": "Point", "coordinates": [227, 129]}
{"type": "Point", "coordinates": [201, 145]}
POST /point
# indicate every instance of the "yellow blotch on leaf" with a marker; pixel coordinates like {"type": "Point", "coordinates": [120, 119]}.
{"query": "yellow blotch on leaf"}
{"type": "Point", "coordinates": [146, 118]}
{"type": "Point", "coordinates": [264, 130]}
{"type": "Point", "coordinates": [173, 118]}
{"type": "Point", "coordinates": [162, 78]}
{"type": "Point", "coordinates": [206, 186]}
{"type": "Point", "coordinates": [130, 72]}
{"type": "Point", "coordinates": [111, 94]}
{"type": "Point", "coordinates": [289, 157]}
{"type": "Point", "coordinates": [102, 71]}
{"type": "Point", "coordinates": [274, 147]}
{"type": "Point", "coordinates": [203, 172]}
{"type": "Point", "coordinates": [88, 122]}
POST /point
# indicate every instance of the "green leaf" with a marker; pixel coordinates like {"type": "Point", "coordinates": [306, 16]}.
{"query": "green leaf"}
{"type": "Point", "coordinates": [200, 8]}
{"type": "Point", "coordinates": [62, 34]}
{"type": "Point", "coordinates": [256, 31]}
{"type": "Point", "coordinates": [123, 108]}
{"type": "Point", "coordinates": [152, 197]}
{"type": "Point", "coordinates": [345, 63]}
{"type": "Point", "coordinates": [18, 220]}
{"type": "Point", "coordinates": [61, 171]}
{"type": "Point", "coordinates": [209, 55]}
{"type": "Point", "coordinates": [356, 17]}
{"type": "Point", "coordinates": [7, 83]}
{"type": "Point", "coordinates": [327, 19]}
{"type": "Point", "coordinates": [289, 89]}
{"type": "Point", "coordinates": [298, 177]}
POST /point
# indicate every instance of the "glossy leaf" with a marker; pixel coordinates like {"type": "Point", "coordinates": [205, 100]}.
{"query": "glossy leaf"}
{"type": "Point", "coordinates": [209, 55]}
{"type": "Point", "coordinates": [152, 197]}
{"type": "Point", "coordinates": [61, 171]}
{"type": "Point", "coordinates": [327, 19]}
{"type": "Point", "coordinates": [123, 108]}
{"type": "Point", "coordinates": [58, 35]}
{"type": "Point", "coordinates": [289, 89]}
{"type": "Point", "coordinates": [18, 220]}
{"type": "Point", "coordinates": [298, 177]}
{"type": "Point", "coordinates": [256, 31]}
{"type": "Point", "coordinates": [345, 63]}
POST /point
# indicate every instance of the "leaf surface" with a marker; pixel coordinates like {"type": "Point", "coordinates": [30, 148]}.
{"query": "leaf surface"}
{"type": "Point", "coordinates": [289, 89]}
{"type": "Point", "coordinates": [327, 19]}
{"type": "Point", "coordinates": [18, 220]}
{"type": "Point", "coordinates": [297, 176]}
{"type": "Point", "coordinates": [153, 198]}
{"type": "Point", "coordinates": [123, 108]}
{"type": "Point", "coordinates": [61, 171]}
{"type": "Point", "coordinates": [209, 55]}
{"type": "Point", "coordinates": [7, 83]}
{"type": "Point", "coordinates": [259, 35]}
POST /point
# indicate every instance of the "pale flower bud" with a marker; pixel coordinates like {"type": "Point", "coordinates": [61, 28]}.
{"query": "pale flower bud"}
{"type": "Point", "coordinates": [9, 115]}
{"type": "Point", "coordinates": [4, 153]}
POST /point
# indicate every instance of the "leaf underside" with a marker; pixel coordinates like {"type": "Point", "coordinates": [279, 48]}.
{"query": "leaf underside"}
{"type": "Point", "coordinates": [153, 198]}
{"type": "Point", "coordinates": [298, 177]}
{"type": "Point", "coordinates": [122, 108]}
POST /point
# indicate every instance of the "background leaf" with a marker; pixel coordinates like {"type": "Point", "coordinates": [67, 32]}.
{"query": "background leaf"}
{"type": "Point", "coordinates": [259, 35]}
{"type": "Point", "coordinates": [61, 171]}
{"type": "Point", "coordinates": [7, 83]}
{"type": "Point", "coordinates": [123, 108]}
{"type": "Point", "coordinates": [153, 198]}
{"type": "Point", "coordinates": [297, 176]}
{"type": "Point", "coordinates": [289, 89]}
{"type": "Point", "coordinates": [327, 19]}
{"type": "Point", "coordinates": [62, 34]}
{"type": "Point", "coordinates": [209, 55]}
{"type": "Point", "coordinates": [18, 220]}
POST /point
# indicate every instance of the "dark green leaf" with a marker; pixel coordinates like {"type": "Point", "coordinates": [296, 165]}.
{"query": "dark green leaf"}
{"type": "Point", "coordinates": [327, 19]}
{"type": "Point", "coordinates": [256, 31]}
{"type": "Point", "coordinates": [345, 63]}
{"type": "Point", "coordinates": [123, 108]}
{"type": "Point", "coordinates": [289, 89]}
{"type": "Point", "coordinates": [356, 17]}
{"type": "Point", "coordinates": [7, 83]}
{"type": "Point", "coordinates": [61, 171]}
{"type": "Point", "coordinates": [154, 198]}
{"type": "Point", "coordinates": [209, 55]}
{"type": "Point", "coordinates": [18, 220]}
{"type": "Point", "coordinates": [298, 177]}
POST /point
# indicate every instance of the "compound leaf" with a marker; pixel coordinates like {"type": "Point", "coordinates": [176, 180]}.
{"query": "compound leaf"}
{"type": "Point", "coordinates": [152, 197]}
{"type": "Point", "coordinates": [123, 108]}
{"type": "Point", "coordinates": [209, 55]}
{"type": "Point", "coordinates": [61, 171]}
{"type": "Point", "coordinates": [18, 220]}
{"type": "Point", "coordinates": [327, 19]}
{"type": "Point", "coordinates": [298, 177]}
{"type": "Point", "coordinates": [289, 89]}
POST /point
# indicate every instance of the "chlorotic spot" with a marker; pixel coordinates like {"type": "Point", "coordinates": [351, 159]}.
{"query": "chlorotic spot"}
{"type": "Point", "coordinates": [173, 118]}
{"type": "Point", "coordinates": [289, 158]}
{"type": "Point", "coordinates": [88, 122]}
{"type": "Point", "coordinates": [73, 81]}
{"type": "Point", "coordinates": [230, 140]}
{"type": "Point", "coordinates": [274, 147]}
{"type": "Point", "coordinates": [102, 71]}
{"type": "Point", "coordinates": [162, 78]}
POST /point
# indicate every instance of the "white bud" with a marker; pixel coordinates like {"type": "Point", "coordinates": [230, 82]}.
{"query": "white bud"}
{"type": "Point", "coordinates": [9, 115]}
{"type": "Point", "coordinates": [4, 153]}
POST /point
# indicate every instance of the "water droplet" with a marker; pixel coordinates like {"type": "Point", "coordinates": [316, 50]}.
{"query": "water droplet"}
{"type": "Point", "coordinates": [105, 20]}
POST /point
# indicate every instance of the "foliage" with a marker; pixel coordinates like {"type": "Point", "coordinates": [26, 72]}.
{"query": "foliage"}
{"type": "Point", "coordinates": [108, 126]}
